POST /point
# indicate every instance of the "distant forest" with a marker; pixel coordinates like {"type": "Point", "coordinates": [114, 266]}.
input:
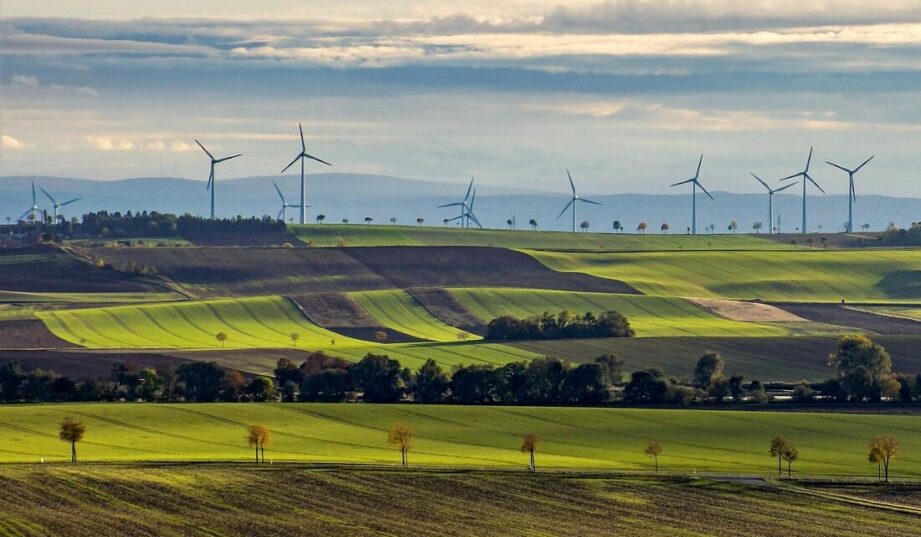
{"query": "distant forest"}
{"type": "Point", "coordinates": [104, 224]}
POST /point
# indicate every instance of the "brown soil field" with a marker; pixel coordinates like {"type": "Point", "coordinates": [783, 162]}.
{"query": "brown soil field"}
{"type": "Point", "coordinates": [342, 314]}
{"type": "Point", "coordinates": [58, 272]}
{"type": "Point", "coordinates": [285, 500]}
{"type": "Point", "coordinates": [243, 239]}
{"type": "Point", "coordinates": [738, 310]}
{"type": "Point", "coordinates": [89, 365]}
{"type": "Point", "coordinates": [865, 321]}
{"type": "Point", "coordinates": [29, 334]}
{"type": "Point", "coordinates": [446, 307]}
{"type": "Point", "coordinates": [223, 271]}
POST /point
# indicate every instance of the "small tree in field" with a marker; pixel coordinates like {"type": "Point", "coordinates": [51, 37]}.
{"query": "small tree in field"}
{"type": "Point", "coordinates": [778, 445]}
{"type": "Point", "coordinates": [294, 337]}
{"type": "Point", "coordinates": [887, 448]}
{"type": "Point", "coordinates": [463, 336]}
{"type": "Point", "coordinates": [401, 436]}
{"type": "Point", "coordinates": [533, 223]}
{"type": "Point", "coordinates": [664, 227]}
{"type": "Point", "coordinates": [420, 221]}
{"type": "Point", "coordinates": [72, 431]}
{"type": "Point", "coordinates": [380, 336]}
{"type": "Point", "coordinates": [529, 446]}
{"type": "Point", "coordinates": [790, 454]}
{"type": "Point", "coordinates": [259, 437]}
{"type": "Point", "coordinates": [393, 220]}
{"type": "Point", "coordinates": [876, 457]}
{"type": "Point", "coordinates": [642, 228]}
{"type": "Point", "coordinates": [584, 226]}
{"type": "Point", "coordinates": [222, 338]}
{"type": "Point", "coordinates": [654, 449]}
{"type": "Point", "coordinates": [757, 227]}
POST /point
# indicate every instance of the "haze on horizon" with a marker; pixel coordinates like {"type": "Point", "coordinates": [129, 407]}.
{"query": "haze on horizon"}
{"type": "Point", "coordinates": [626, 93]}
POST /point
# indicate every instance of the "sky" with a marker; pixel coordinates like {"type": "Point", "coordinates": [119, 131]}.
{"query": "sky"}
{"type": "Point", "coordinates": [627, 94]}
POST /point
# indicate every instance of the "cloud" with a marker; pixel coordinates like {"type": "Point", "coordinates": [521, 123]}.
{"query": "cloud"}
{"type": "Point", "coordinates": [108, 143]}
{"type": "Point", "coordinates": [8, 142]}
{"type": "Point", "coordinates": [32, 83]}
{"type": "Point", "coordinates": [24, 80]}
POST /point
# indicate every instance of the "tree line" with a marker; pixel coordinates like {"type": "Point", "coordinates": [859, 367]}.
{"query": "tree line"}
{"type": "Point", "coordinates": [564, 325]}
{"type": "Point", "coordinates": [155, 224]}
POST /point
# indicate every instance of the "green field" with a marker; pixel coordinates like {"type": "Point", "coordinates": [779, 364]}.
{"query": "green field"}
{"type": "Point", "coordinates": [578, 438]}
{"type": "Point", "coordinates": [650, 316]}
{"type": "Point", "coordinates": [821, 276]}
{"type": "Point", "coordinates": [327, 235]}
{"type": "Point", "coordinates": [904, 312]}
{"type": "Point", "coordinates": [398, 310]}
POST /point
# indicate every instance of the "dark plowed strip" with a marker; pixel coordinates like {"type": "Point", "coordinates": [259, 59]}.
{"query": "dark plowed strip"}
{"type": "Point", "coordinates": [445, 306]}
{"type": "Point", "coordinates": [54, 271]}
{"type": "Point", "coordinates": [29, 334]}
{"type": "Point", "coordinates": [243, 239]}
{"type": "Point", "coordinates": [861, 320]}
{"type": "Point", "coordinates": [84, 365]}
{"type": "Point", "coordinates": [341, 314]}
{"type": "Point", "coordinates": [411, 267]}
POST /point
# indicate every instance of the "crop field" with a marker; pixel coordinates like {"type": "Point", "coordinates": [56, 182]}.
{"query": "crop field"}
{"type": "Point", "coordinates": [903, 312]}
{"type": "Point", "coordinates": [326, 235]}
{"type": "Point", "coordinates": [650, 316]}
{"type": "Point", "coordinates": [465, 436]}
{"type": "Point", "coordinates": [820, 276]}
{"type": "Point", "coordinates": [282, 500]}
{"type": "Point", "coordinates": [398, 310]}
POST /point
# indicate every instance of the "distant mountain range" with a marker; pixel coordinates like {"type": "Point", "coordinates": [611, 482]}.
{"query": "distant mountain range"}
{"type": "Point", "coordinates": [356, 196]}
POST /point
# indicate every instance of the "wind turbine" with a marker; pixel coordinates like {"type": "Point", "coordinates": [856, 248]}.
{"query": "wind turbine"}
{"type": "Point", "coordinates": [852, 196]}
{"type": "Point", "coordinates": [283, 213]}
{"type": "Point", "coordinates": [464, 207]}
{"type": "Point", "coordinates": [806, 180]}
{"type": "Point", "coordinates": [771, 192]}
{"type": "Point", "coordinates": [695, 182]}
{"type": "Point", "coordinates": [33, 209]}
{"type": "Point", "coordinates": [57, 205]}
{"type": "Point", "coordinates": [300, 157]}
{"type": "Point", "coordinates": [211, 185]}
{"type": "Point", "coordinates": [467, 214]}
{"type": "Point", "coordinates": [574, 201]}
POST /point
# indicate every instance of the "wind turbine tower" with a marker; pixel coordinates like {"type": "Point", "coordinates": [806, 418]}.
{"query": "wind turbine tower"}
{"type": "Point", "coordinates": [465, 207]}
{"type": "Point", "coordinates": [806, 180]}
{"type": "Point", "coordinates": [695, 182]}
{"type": "Point", "coordinates": [771, 192]}
{"type": "Point", "coordinates": [33, 210]}
{"type": "Point", "coordinates": [852, 193]}
{"type": "Point", "coordinates": [574, 202]}
{"type": "Point", "coordinates": [214, 161]}
{"type": "Point", "coordinates": [57, 205]}
{"type": "Point", "coordinates": [283, 213]}
{"type": "Point", "coordinates": [300, 157]}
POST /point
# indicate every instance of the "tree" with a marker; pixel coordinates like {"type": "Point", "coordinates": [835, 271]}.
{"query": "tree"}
{"type": "Point", "coordinates": [876, 457]}
{"type": "Point", "coordinates": [864, 369]}
{"type": "Point", "coordinates": [642, 227]}
{"type": "Point", "coordinates": [510, 223]}
{"type": "Point", "coordinates": [431, 385]}
{"type": "Point", "coordinates": [664, 228]}
{"type": "Point", "coordinates": [584, 226]}
{"type": "Point", "coordinates": [259, 437]}
{"type": "Point", "coordinates": [865, 227]}
{"type": "Point", "coordinates": [790, 454]}
{"type": "Point", "coordinates": [529, 446]}
{"type": "Point", "coordinates": [757, 227]}
{"type": "Point", "coordinates": [380, 336]}
{"type": "Point", "coordinates": [294, 337]}
{"type": "Point", "coordinates": [653, 449]}
{"type": "Point", "coordinates": [420, 221]}
{"type": "Point", "coordinates": [463, 336]}
{"type": "Point", "coordinates": [778, 445]}
{"type": "Point", "coordinates": [72, 431]}
{"type": "Point", "coordinates": [401, 436]}
{"type": "Point", "coordinates": [262, 389]}
{"type": "Point", "coordinates": [886, 448]}
{"type": "Point", "coordinates": [709, 368]}
{"type": "Point", "coordinates": [222, 338]}
{"type": "Point", "coordinates": [618, 227]}
{"type": "Point", "coordinates": [321, 218]}
{"type": "Point", "coordinates": [533, 223]}
{"type": "Point", "coordinates": [201, 381]}
{"type": "Point", "coordinates": [445, 221]}
{"type": "Point", "coordinates": [393, 220]}
{"type": "Point", "coordinates": [368, 220]}
{"type": "Point", "coordinates": [378, 377]}
{"type": "Point", "coordinates": [733, 226]}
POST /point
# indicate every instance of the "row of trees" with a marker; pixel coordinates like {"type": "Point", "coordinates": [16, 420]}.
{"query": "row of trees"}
{"type": "Point", "coordinates": [154, 224]}
{"type": "Point", "coordinates": [564, 325]}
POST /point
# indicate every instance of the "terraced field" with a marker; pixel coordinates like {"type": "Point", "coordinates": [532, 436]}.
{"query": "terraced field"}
{"type": "Point", "coordinates": [650, 316]}
{"type": "Point", "coordinates": [283, 500]}
{"type": "Point", "coordinates": [326, 235]}
{"type": "Point", "coordinates": [575, 438]}
{"type": "Point", "coordinates": [820, 276]}
{"type": "Point", "coordinates": [398, 310]}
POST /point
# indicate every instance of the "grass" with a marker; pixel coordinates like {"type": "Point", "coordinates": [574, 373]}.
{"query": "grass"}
{"type": "Point", "coordinates": [87, 298]}
{"type": "Point", "coordinates": [398, 310]}
{"type": "Point", "coordinates": [327, 235]}
{"type": "Point", "coordinates": [820, 276]}
{"type": "Point", "coordinates": [250, 323]}
{"type": "Point", "coordinates": [570, 438]}
{"type": "Point", "coordinates": [650, 316]}
{"type": "Point", "coordinates": [280, 500]}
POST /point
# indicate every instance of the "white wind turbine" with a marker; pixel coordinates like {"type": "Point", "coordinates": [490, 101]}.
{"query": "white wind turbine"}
{"type": "Point", "coordinates": [300, 157]}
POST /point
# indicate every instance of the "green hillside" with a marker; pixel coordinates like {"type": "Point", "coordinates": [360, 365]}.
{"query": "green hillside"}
{"type": "Point", "coordinates": [827, 276]}
{"type": "Point", "coordinates": [578, 438]}
{"type": "Point", "coordinates": [326, 235]}
{"type": "Point", "coordinates": [398, 310]}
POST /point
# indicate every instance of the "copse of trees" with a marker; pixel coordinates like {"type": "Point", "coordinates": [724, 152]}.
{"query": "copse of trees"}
{"type": "Point", "coordinates": [564, 325]}
{"type": "Point", "coordinates": [896, 236]}
{"type": "Point", "coordinates": [864, 370]}
{"type": "Point", "coordinates": [154, 224]}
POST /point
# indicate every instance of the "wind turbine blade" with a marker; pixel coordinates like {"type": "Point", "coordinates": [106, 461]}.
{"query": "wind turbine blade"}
{"type": "Point", "coordinates": [704, 189]}
{"type": "Point", "coordinates": [589, 201]}
{"type": "Point", "coordinates": [24, 215]}
{"type": "Point", "coordinates": [469, 189]}
{"type": "Point", "coordinates": [280, 195]}
{"type": "Point", "coordinates": [457, 217]}
{"type": "Point", "coordinates": [853, 192]}
{"type": "Point", "coordinates": [701, 161]}
{"type": "Point", "coordinates": [808, 160]}
{"type": "Point", "coordinates": [864, 164]}
{"type": "Point", "coordinates": [760, 181]}
{"type": "Point", "coordinates": [788, 185]}
{"type": "Point", "coordinates": [49, 195]}
{"type": "Point", "coordinates": [475, 221]}
{"type": "Point", "coordinates": [566, 208]}
{"type": "Point", "coordinates": [292, 163]}
{"type": "Point", "coordinates": [842, 168]}
{"type": "Point", "coordinates": [811, 180]}
{"type": "Point", "coordinates": [210, 178]}
{"type": "Point", "coordinates": [571, 184]}
{"type": "Point", "coordinates": [683, 182]}
{"type": "Point", "coordinates": [303, 145]}
{"type": "Point", "coordinates": [472, 200]}
{"type": "Point", "coordinates": [228, 158]}
{"type": "Point", "coordinates": [280, 213]}
{"type": "Point", "coordinates": [69, 202]}
{"type": "Point", "coordinates": [794, 176]}
{"type": "Point", "coordinates": [455, 204]}
{"type": "Point", "coordinates": [205, 150]}
{"type": "Point", "coordinates": [33, 193]}
{"type": "Point", "coordinates": [316, 159]}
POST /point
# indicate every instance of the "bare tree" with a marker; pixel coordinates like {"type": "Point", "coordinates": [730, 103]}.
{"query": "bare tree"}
{"type": "Point", "coordinates": [72, 431]}
{"type": "Point", "coordinates": [259, 437]}
{"type": "Point", "coordinates": [529, 446]}
{"type": "Point", "coordinates": [887, 448]}
{"type": "Point", "coordinates": [778, 445]}
{"type": "Point", "coordinates": [654, 449]}
{"type": "Point", "coordinates": [294, 337]}
{"type": "Point", "coordinates": [790, 454]}
{"type": "Point", "coordinates": [401, 436]}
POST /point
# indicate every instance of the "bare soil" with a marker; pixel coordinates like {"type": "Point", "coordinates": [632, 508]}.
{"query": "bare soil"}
{"type": "Point", "coordinates": [341, 314]}
{"type": "Point", "coordinates": [86, 365]}
{"type": "Point", "coordinates": [738, 310]}
{"type": "Point", "coordinates": [860, 320]}
{"type": "Point", "coordinates": [59, 272]}
{"type": "Point", "coordinates": [445, 306]}
{"type": "Point", "coordinates": [29, 334]}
